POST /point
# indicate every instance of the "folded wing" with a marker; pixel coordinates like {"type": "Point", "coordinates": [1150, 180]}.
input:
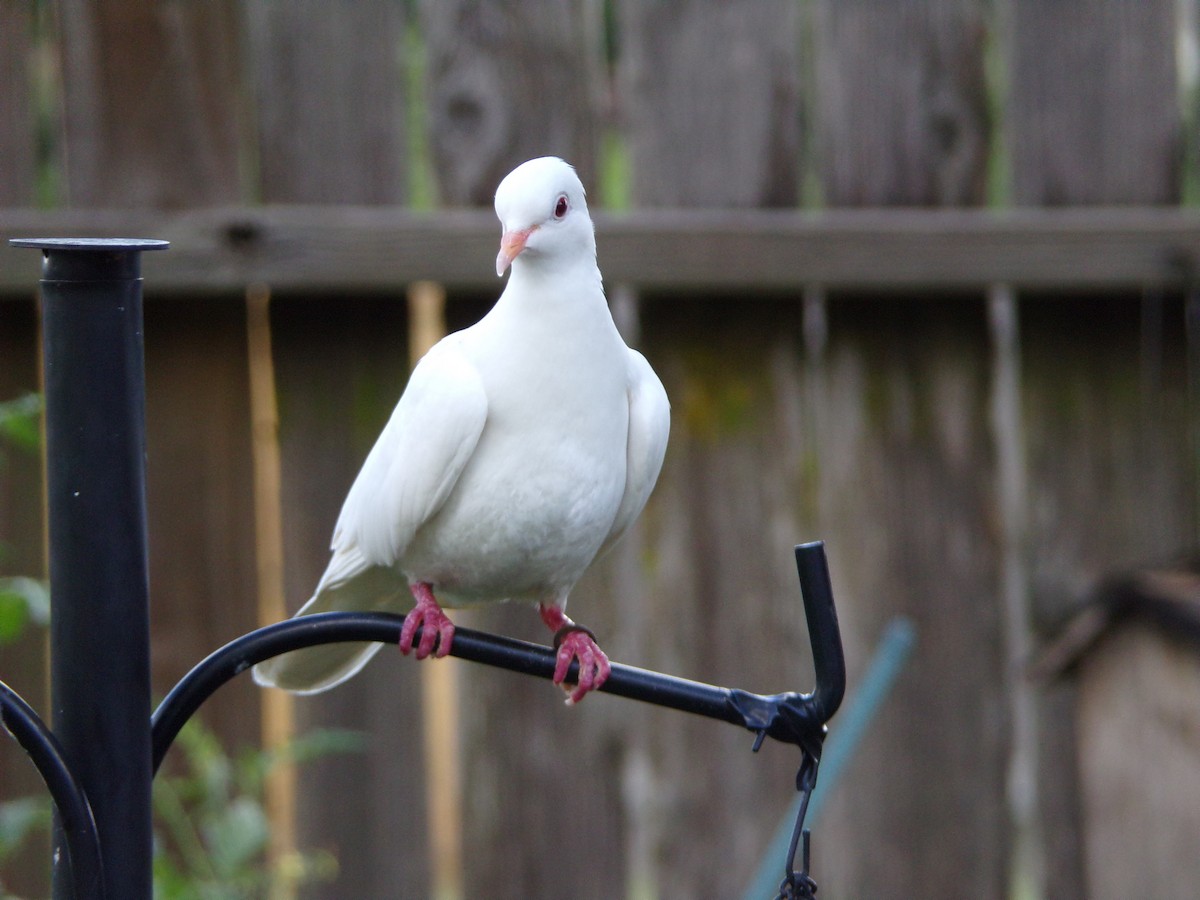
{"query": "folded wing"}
{"type": "Point", "coordinates": [406, 478]}
{"type": "Point", "coordinates": [649, 426]}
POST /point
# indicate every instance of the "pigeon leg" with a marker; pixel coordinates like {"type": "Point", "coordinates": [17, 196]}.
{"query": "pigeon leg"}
{"type": "Point", "coordinates": [575, 642]}
{"type": "Point", "coordinates": [435, 625]}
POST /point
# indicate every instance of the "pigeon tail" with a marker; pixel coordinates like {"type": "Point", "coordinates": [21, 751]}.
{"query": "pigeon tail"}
{"type": "Point", "coordinates": [316, 669]}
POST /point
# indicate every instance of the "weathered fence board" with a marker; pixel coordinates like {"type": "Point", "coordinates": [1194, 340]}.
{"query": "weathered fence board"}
{"type": "Point", "coordinates": [710, 135]}
{"type": "Point", "coordinates": [200, 497]}
{"type": "Point", "coordinates": [151, 121]}
{"type": "Point", "coordinates": [902, 106]}
{"type": "Point", "coordinates": [505, 83]}
{"type": "Point", "coordinates": [1094, 114]}
{"type": "Point", "coordinates": [318, 65]}
{"type": "Point", "coordinates": [16, 108]}
{"type": "Point", "coordinates": [1093, 118]}
{"type": "Point", "coordinates": [902, 120]}
{"type": "Point", "coordinates": [903, 465]}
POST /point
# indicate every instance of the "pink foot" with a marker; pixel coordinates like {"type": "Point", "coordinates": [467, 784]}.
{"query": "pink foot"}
{"type": "Point", "coordinates": [435, 625]}
{"type": "Point", "coordinates": [575, 642]}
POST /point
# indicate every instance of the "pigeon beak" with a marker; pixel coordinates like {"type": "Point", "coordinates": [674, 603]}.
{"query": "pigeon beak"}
{"type": "Point", "coordinates": [511, 244]}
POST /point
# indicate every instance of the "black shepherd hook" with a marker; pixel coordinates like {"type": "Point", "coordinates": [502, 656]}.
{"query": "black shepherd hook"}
{"type": "Point", "coordinates": [792, 718]}
{"type": "Point", "coordinates": [92, 316]}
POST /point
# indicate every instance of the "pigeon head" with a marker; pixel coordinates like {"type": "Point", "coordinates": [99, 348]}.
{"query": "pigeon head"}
{"type": "Point", "coordinates": [544, 215]}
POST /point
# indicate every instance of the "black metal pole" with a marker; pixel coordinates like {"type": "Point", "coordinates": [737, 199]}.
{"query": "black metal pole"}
{"type": "Point", "coordinates": [100, 618]}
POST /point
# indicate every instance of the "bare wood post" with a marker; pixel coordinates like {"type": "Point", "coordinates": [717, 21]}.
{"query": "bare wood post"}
{"type": "Point", "coordinates": [277, 706]}
{"type": "Point", "coordinates": [1012, 494]}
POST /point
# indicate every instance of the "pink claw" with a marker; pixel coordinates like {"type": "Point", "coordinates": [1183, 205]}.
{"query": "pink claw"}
{"type": "Point", "coordinates": [593, 664]}
{"type": "Point", "coordinates": [435, 625]}
{"type": "Point", "coordinates": [575, 642]}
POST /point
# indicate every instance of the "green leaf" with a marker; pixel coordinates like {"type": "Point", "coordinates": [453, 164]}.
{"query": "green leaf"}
{"type": "Point", "coordinates": [23, 601]}
{"type": "Point", "coordinates": [212, 831]}
{"type": "Point", "coordinates": [14, 616]}
{"type": "Point", "coordinates": [19, 421]}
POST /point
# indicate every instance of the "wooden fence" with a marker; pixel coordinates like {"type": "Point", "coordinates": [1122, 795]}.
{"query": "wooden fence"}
{"type": "Point", "coordinates": [983, 412]}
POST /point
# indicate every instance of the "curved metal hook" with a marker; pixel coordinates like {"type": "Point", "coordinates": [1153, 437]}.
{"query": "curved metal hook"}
{"type": "Point", "coordinates": [74, 811]}
{"type": "Point", "coordinates": [792, 718]}
{"type": "Point", "coordinates": [824, 635]}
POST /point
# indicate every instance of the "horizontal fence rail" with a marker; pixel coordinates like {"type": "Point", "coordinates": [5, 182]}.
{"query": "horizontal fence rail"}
{"type": "Point", "coordinates": [376, 249]}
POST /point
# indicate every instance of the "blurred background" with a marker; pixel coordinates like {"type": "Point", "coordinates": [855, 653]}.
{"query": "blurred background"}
{"type": "Point", "coordinates": [920, 279]}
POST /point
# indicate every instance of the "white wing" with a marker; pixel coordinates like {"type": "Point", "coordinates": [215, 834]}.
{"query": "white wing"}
{"type": "Point", "coordinates": [649, 426]}
{"type": "Point", "coordinates": [418, 458]}
{"type": "Point", "coordinates": [405, 480]}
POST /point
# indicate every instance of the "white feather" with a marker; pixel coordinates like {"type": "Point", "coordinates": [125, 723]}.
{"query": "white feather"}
{"type": "Point", "coordinates": [521, 448]}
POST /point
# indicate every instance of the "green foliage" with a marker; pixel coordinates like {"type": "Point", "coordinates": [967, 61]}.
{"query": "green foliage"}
{"type": "Point", "coordinates": [20, 421]}
{"type": "Point", "coordinates": [211, 827]}
{"type": "Point", "coordinates": [23, 601]}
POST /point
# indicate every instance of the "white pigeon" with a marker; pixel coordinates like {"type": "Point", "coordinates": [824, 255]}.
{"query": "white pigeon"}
{"type": "Point", "coordinates": [522, 448]}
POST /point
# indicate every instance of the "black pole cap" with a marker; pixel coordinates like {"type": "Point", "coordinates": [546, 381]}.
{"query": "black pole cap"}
{"type": "Point", "coordinates": [90, 259]}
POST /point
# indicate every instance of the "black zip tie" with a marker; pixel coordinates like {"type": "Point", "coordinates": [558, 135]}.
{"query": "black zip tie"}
{"type": "Point", "coordinates": [572, 628]}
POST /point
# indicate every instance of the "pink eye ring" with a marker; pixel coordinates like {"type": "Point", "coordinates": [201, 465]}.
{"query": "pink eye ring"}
{"type": "Point", "coordinates": [561, 206]}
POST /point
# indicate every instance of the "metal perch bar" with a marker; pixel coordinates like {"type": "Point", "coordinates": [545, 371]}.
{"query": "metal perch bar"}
{"type": "Point", "coordinates": [791, 717]}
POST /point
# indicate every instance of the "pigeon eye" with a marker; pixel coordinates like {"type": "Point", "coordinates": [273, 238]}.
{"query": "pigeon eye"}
{"type": "Point", "coordinates": [561, 206]}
